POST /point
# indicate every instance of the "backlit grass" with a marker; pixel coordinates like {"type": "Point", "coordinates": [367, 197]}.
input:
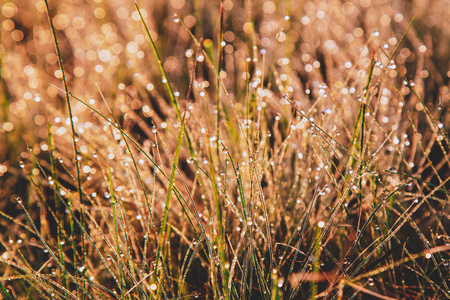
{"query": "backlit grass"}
{"type": "Point", "coordinates": [224, 150]}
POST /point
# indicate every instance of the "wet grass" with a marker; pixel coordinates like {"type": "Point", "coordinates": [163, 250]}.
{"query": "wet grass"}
{"type": "Point", "coordinates": [224, 150]}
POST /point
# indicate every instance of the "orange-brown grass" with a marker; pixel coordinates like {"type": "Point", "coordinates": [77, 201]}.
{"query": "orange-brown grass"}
{"type": "Point", "coordinates": [224, 149]}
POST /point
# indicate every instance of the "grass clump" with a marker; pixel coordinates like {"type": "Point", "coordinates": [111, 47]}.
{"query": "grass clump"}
{"type": "Point", "coordinates": [224, 150]}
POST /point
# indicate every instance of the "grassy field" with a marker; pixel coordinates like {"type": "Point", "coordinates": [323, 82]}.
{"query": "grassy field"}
{"type": "Point", "coordinates": [275, 149]}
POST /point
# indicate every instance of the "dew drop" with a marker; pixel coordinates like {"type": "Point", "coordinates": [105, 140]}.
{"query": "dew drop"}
{"type": "Point", "coordinates": [346, 262]}
{"type": "Point", "coordinates": [176, 19]}
{"type": "Point", "coordinates": [392, 65]}
{"type": "Point", "coordinates": [280, 283]}
{"type": "Point", "coordinates": [392, 169]}
{"type": "Point", "coordinates": [200, 58]}
{"type": "Point", "coordinates": [19, 200]}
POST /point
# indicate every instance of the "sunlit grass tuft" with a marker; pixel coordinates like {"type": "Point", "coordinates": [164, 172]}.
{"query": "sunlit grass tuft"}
{"type": "Point", "coordinates": [224, 150]}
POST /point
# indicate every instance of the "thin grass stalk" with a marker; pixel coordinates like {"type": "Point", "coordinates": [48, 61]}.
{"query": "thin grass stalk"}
{"type": "Point", "coordinates": [222, 84]}
{"type": "Point", "coordinates": [78, 223]}
{"type": "Point", "coordinates": [5, 292]}
{"type": "Point", "coordinates": [315, 265]}
{"type": "Point", "coordinates": [69, 209]}
{"type": "Point", "coordinates": [319, 128]}
{"type": "Point", "coordinates": [169, 194]}
{"type": "Point", "coordinates": [72, 126]}
{"type": "Point", "coordinates": [41, 238]}
{"type": "Point", "coordinates": [165, 78]}
{"type": "Point", "coordinates": [219, 69]}
{"type": "Point", "coordinates": [177, 193]}
{"type": "Point", "coordinates": [299, 243]}
{"type": "Point", "coordinates": [372, 215]}
{"type": "Point", "coordinates": [116, 230]}
{"type": "Point", "coordinates": [266, 217]}
{"type": "Point", "coordinates": [131, 155]}
{"type": "Point", "coordinates": [57, 206]}
{"type": "Point", "coordinates": [402, 220]}
{"type": "Point", "coordinates": [220, 221]}
{"type": "Point", "coordinates": [150, 217]}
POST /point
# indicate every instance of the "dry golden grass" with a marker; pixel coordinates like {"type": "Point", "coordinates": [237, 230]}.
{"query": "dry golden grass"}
{"type": "Point", "coordinates": [224, 149]}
